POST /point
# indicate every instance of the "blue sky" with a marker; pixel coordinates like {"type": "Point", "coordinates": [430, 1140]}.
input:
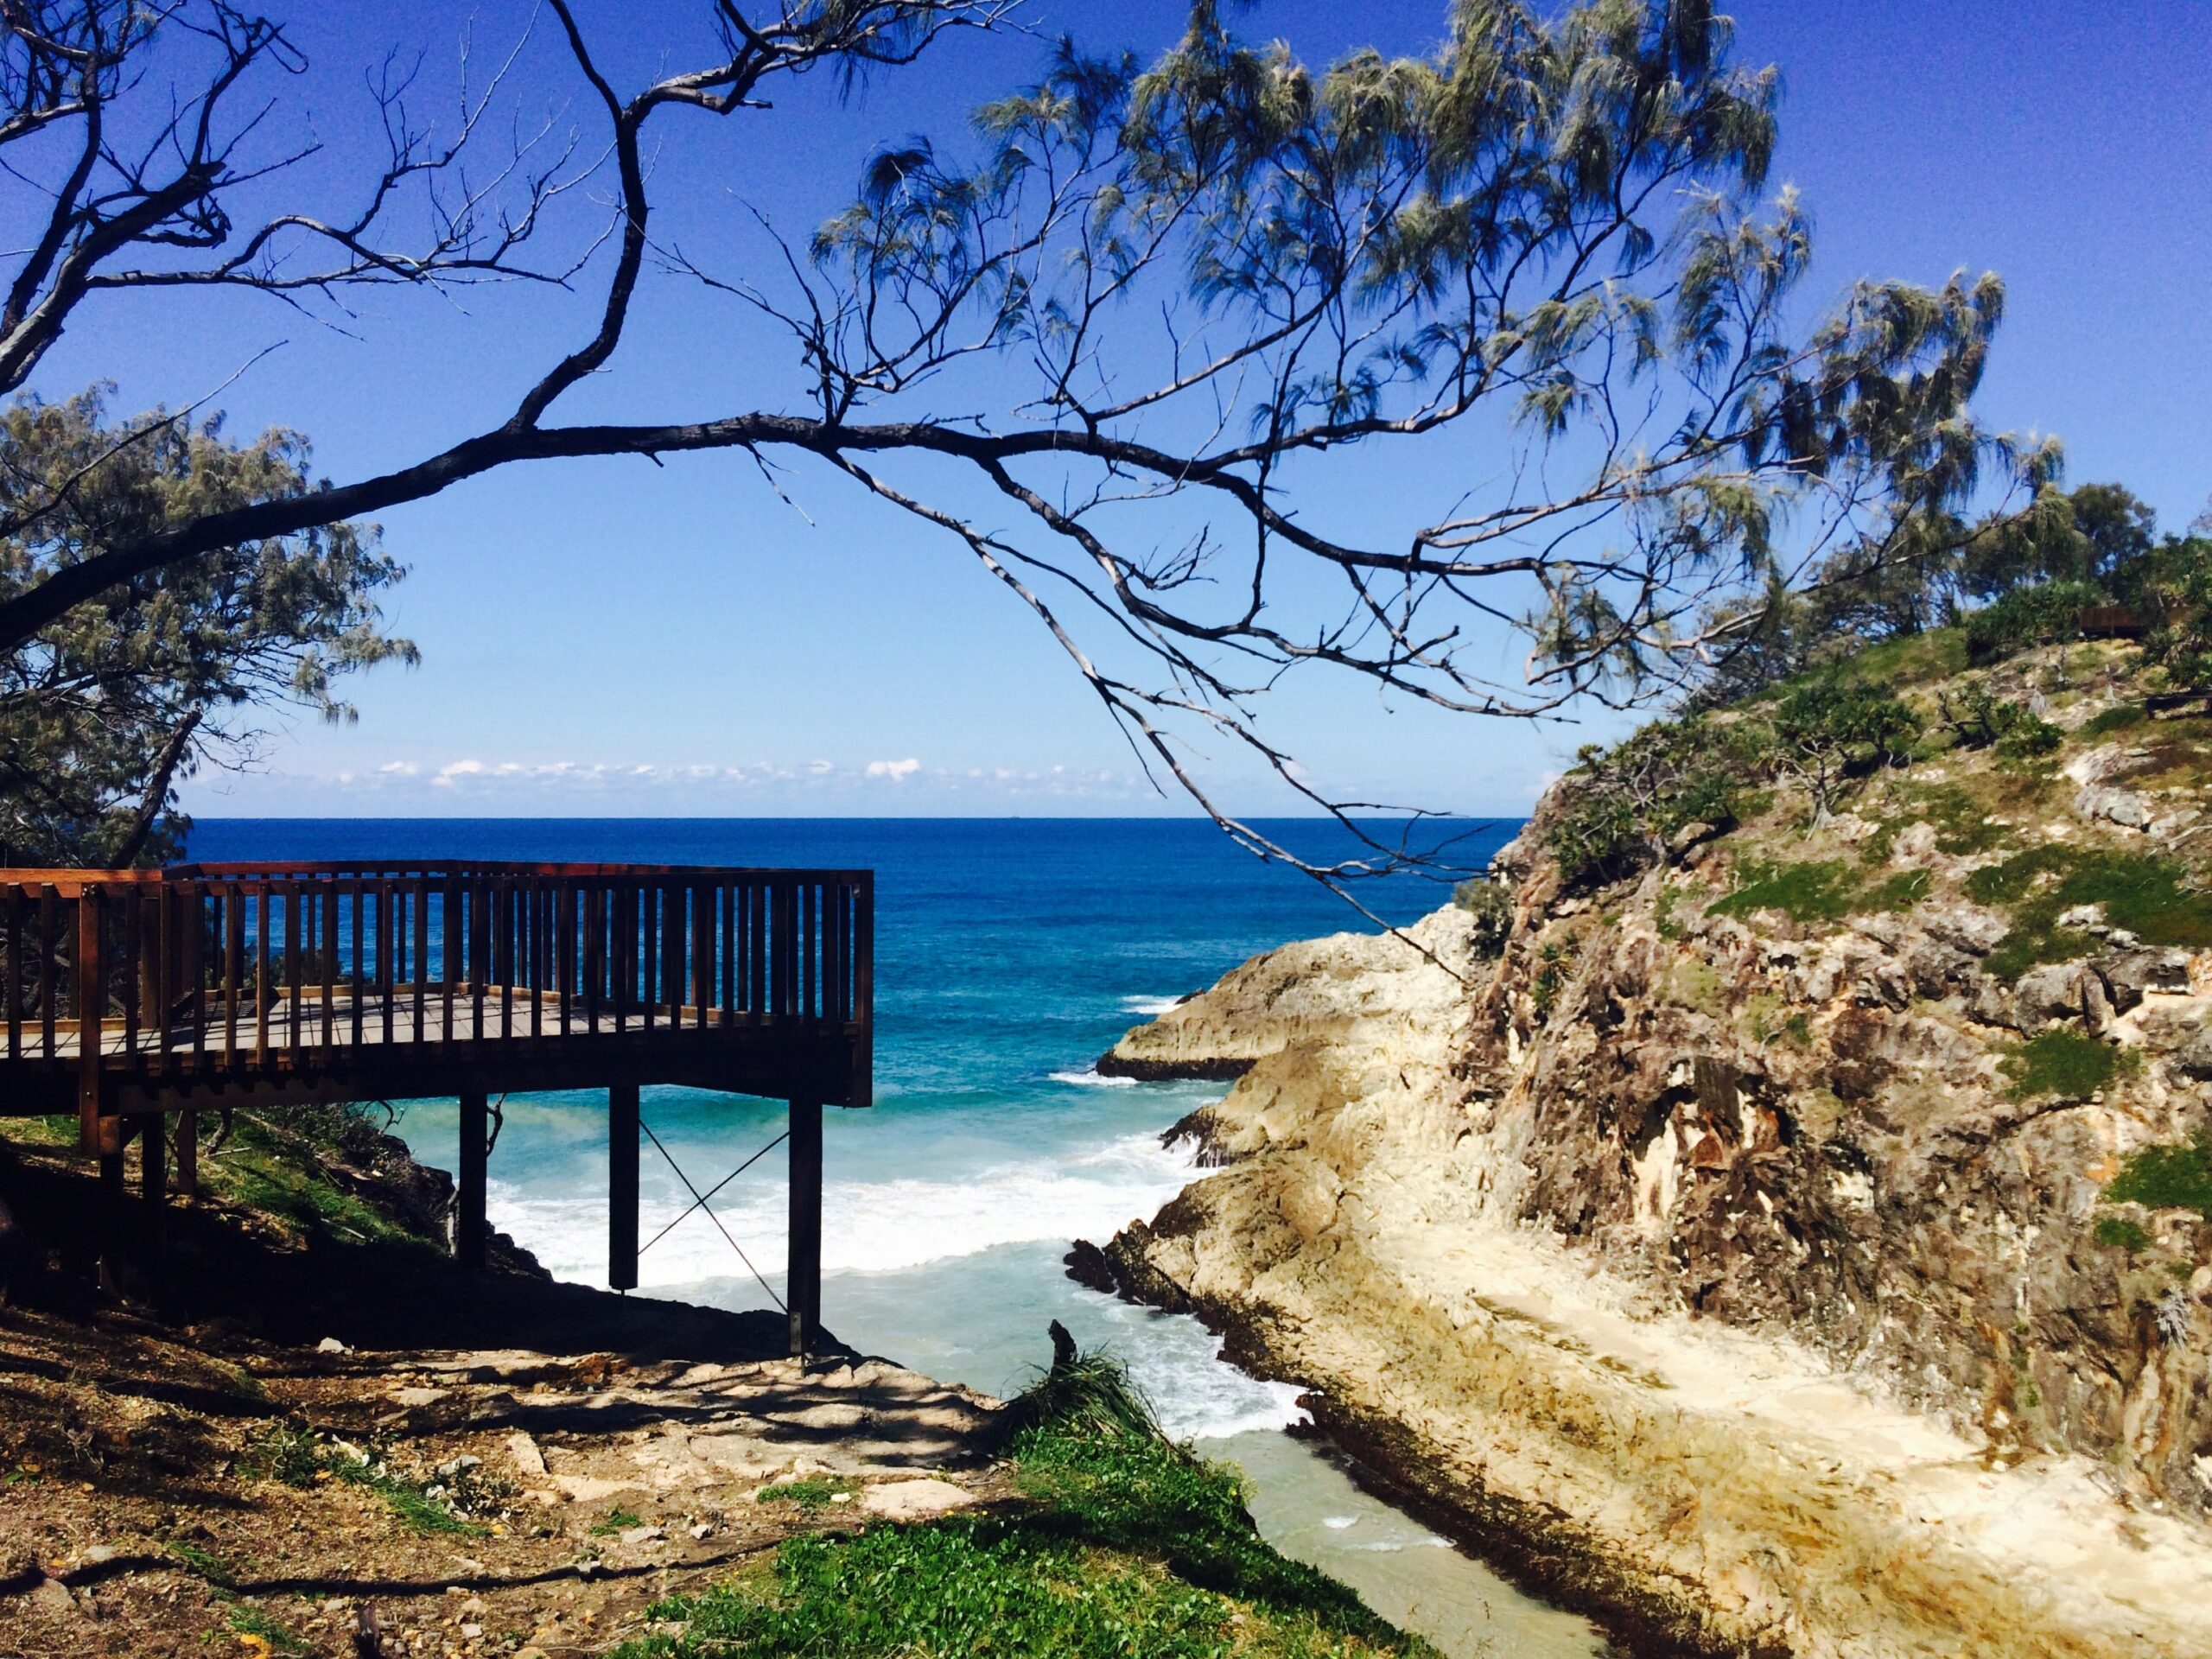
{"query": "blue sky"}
{"type": "Point", "coordinates": [614, 638]}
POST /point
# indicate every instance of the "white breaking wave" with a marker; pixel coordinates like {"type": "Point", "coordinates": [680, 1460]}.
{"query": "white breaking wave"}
{"type": "Point", "coordinates": [1151, 1007]}
{"type": "Point", "coordinates": [868, 1226]}
{"type": "Point", "coordinates": [1173, 1360]}
{"type": "Point", "coordinates": [1093, 1080]}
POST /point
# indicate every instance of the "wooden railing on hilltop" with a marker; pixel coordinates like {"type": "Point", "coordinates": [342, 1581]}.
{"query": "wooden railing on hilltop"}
{"type": "Point", "coordinates": [213, 971]}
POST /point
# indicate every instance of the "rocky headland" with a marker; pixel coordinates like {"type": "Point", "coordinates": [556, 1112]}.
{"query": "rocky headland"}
{"type": "Point", "coordinates": [1797, 1240]}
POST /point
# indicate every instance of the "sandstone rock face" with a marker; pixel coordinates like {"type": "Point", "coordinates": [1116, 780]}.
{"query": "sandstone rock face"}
{"type": "Point", "coordinates": [1715, 1268]}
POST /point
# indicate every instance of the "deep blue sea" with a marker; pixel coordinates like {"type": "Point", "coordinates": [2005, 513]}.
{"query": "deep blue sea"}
{"type": "Point", "coordinates": [1010, 954]}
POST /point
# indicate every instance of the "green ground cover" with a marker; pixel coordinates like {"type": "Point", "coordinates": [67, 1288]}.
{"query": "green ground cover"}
{"type": "Point", "coordinates": [2167, 1178]}
{"type": "Point", "coordinates": [2151, 896]}
{"type": "Point", "coordinates": [2064, 1064]}
{"type": "Point", "coordinates": [1817, 890]}
{"type": "Point", "coordinates": [1126, 1544]}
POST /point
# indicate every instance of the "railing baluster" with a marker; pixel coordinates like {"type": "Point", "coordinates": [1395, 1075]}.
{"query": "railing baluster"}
{"type": "Point", "coordinates": [49, 926]}
{"type": "Point", "coordinates": [360, 926]}
{"type": "Point", "coordinates": [756, 892]}
{"type": "Point", "coordinates": [541, 896]}
{"type": "Point", "coordinates": [810, 925]}
{"type": "Point", "coordinates": [91, 998]}
{"type": "Point", "coordinates": [294, 961]}
{"type": "Point", "coordinates": [262, 981]}
{"type": "Point", "coordinates": [234, 904]}
{"type": "Point", "coordinates": [504, 935]}
{"type": "Point", "coordinates": [17, 981]}
{"type": "Point", "coordinates": [566, 970]}
{"type": "Point", "coordinates": [133, 987]}
{"type": "Point", "coordinates": [420, 899]}
{"type": "Point", "coordinates": [387, 946]}
{"type": "Point", "coordinates": [648, 942]}
{"type": "Point", "coordinates": [161, 966]}
{"type": "Point", "coordinates": [476, 961]}
{"type": "Point", "coordinates": [592, 903]}
{"type": "Point", "coordinates": [193, 944]}
{"type": "Point", "coordinates": [329, 893]}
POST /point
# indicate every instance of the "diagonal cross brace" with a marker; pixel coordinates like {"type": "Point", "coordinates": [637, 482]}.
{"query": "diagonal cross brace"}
{"type": "Point", "coordinates": [698, 1202]}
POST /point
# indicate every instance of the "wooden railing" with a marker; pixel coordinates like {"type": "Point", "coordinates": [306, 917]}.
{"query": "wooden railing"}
{"type": "Point", "coordinates": [234, 966]}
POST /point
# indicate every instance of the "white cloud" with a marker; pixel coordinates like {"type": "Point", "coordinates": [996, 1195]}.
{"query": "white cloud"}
{"type": "Point", "coordinates": [702, 783]}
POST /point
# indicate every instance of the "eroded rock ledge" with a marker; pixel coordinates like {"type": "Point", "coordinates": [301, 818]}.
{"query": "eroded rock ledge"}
{"type": "Point", "coordinates": [1571, 1266]}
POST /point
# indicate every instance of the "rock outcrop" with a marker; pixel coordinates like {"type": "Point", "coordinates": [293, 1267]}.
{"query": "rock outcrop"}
{"type": "Point", "coordinates": [1742, 1277]}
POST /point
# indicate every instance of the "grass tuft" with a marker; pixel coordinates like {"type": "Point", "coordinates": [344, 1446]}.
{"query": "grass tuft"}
{"type": "Point", "coordinates": [809, 1493]}
{"type": "Point", "coordinates": [293, 1456]}
{"type": "Point", "coordinates": [2066, 1064]}
{"type": "Point", "coordinates": [257, 1631]}
{"type": "Point", "coordinates": [2122, 1234]}
{"type": "Point", "coordinates": [2167, 1178]}
{"type": "Point", "coordinates": [2116, 718]}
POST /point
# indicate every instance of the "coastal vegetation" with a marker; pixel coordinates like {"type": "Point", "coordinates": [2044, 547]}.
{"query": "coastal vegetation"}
{"type": "Point", "coordinates": [1825, 694]}
{"type": "Point", "coordinates": [1122, 1542]}
{"type": "Point", "coordinates": [105, 710]}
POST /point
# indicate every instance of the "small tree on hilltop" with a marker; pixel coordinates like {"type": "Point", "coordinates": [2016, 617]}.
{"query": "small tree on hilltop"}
{"type": "Point", "coordinates": [1828, 733]}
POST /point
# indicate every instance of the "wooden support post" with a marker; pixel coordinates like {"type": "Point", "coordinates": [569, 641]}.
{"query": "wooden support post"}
{"type": "Point", "coordinates": [622, 1186]}
{"type": "Point", "coordinates": [469, 1220]}
{"type": "Point", "coordinates": [93, 1135]}
{"type": "Point", "coordinates": [153, 1165]}
{"type": "Point", "coordinates": [187, 1154]}
{"type": "Point", "coordinates": [112, 1219]}
{"type": "Point", "coordinates": [804, 1289]}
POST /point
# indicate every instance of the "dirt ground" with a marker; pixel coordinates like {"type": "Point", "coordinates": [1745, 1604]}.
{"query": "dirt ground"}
{"type": "Point", "coordinates": [188, 1473]}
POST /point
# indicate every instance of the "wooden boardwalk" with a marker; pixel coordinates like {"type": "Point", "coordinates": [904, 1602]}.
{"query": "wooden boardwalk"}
{"type": "Point", "coordinates": [134, 995]}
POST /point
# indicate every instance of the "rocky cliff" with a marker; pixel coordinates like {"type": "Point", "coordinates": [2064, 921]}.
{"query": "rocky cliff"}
{"type": "Point", "coordinates": [1798, 1244]}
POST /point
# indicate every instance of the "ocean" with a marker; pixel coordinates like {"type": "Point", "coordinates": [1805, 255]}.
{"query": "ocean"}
{"type": "Point", "coordinates": [1010, 954]}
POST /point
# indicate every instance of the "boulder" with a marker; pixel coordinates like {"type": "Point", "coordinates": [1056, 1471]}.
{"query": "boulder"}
{"type": "Point", "coordinates": [2131, 974]}
{"type": "Point", "coordinates": [1964, 927]}
{"type": "Point", "coordinates": [914, 1500]}
{"type": "Point", "coordinates": [2051, 992]}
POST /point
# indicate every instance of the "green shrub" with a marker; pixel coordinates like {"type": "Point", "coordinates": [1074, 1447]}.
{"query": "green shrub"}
{"type": "Point", "coordinates": [1830, 731]}
{"type": "Point", "coordinates": [2121, 1234]}
{"type": "Point", "coordinates": [2167, 1178]}
{"type": "Point", "coordinates": [2026, 617]}
{"type": "Point", "coordinates": [1620, 806]}
{"type": "Point", "coordinates": [2030, 738]}
{"type": "Point", "coordinates": [810, 1494]}
{"type": "Point", "coordinates": [2064, 1064]}
{"type": "Point", "coordinates": [2117, 719]}
{"type": "Point", "coordinates": [1490, 907]}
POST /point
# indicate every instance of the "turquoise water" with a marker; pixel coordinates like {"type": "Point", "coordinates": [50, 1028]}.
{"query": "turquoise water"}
{"type": "Point", "coordinates": [1010, 954]}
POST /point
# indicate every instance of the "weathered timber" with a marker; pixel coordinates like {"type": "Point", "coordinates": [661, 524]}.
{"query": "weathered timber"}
{"type": "Point", "coordinates": [622, 1186]}
{"type": "Point", "coordinates": [134, 994]}
{"type": "Point", "coordinates": [804, 1289]}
